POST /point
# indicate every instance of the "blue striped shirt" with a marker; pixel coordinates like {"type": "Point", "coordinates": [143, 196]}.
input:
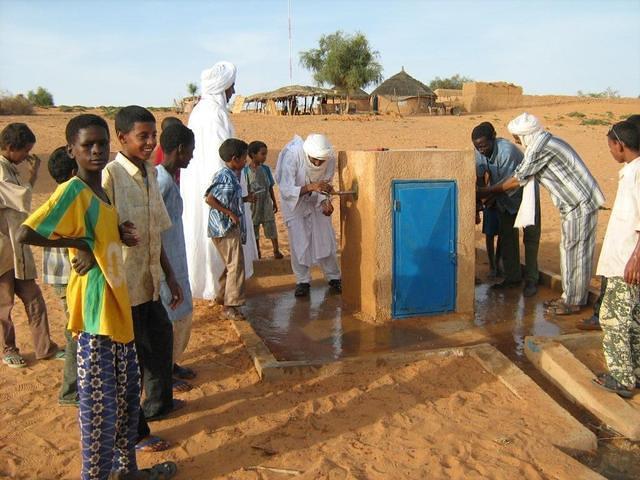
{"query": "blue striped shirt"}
{"type": "Point", "coordinates": [225, 187]}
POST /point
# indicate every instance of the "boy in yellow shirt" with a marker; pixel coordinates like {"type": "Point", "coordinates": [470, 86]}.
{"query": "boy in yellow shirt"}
{"type": "Point", "coordinates": [80, 217]}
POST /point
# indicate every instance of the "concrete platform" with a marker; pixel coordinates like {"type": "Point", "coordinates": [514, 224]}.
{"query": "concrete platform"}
{"type": "Point", "coordinates": [570, 362]}
{"type": "Point", "coordinates": [577, 438]}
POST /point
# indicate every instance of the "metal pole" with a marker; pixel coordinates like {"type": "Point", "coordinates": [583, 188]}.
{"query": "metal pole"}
{"type": "Point", "coordinates": [290, 49]}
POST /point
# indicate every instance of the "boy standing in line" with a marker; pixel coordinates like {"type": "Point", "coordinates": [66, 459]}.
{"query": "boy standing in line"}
{"type": "Point", "coordinates": [620, 263]}
{"type": "Point", "coordinates": [177, 142]}
{"type": "Point", "coordinates": [131, 185]}
{"type": "Point", "coordinates": [259, 181]}
{"type": "Point", "coordinates": [226, 225]}
{"type": "Point", "coordinates": [17, 267]}
{"type": "Point", "coordinates": [80, 217]}
{"type": "Point", "coordinates": [55, 272]}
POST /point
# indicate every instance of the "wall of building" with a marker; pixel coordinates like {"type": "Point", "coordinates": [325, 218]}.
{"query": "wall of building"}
{"type": "Point", "coordinates": [366, 222]}
{"type": "Point", "coordinates": [403, 106]}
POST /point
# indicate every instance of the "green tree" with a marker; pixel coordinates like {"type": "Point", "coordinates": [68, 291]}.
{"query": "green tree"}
{"type": "Point", "coordinates": [41, 97]}
{"type": "Point", "coordinates": [455, 82]}
{"type": "Point", "coordinates": [346, 61]}
{"type": "Point", "coordinates": [192, 88]}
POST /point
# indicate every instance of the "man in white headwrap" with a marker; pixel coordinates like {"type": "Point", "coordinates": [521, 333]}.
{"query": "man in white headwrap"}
{"type": "Point", "coordinates": [304, 173]}
{"type": "Point", "coordinates": [211, 125]}
{"type": "Point", "coordinates": [574, 191]}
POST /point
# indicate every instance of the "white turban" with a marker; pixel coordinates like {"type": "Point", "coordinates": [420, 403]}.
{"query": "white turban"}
{"type": "Point", "coordinates": [217, 79]}
{"type": "Point", "coordinates": [525, 126]}
{"type": "Point", "coordinates": [317, 146]}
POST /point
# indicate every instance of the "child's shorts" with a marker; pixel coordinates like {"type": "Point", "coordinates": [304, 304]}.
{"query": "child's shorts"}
{"type": "Point", "coordinates": [490, 221]}
{"type": "Point", "coordinates": [270, 230]}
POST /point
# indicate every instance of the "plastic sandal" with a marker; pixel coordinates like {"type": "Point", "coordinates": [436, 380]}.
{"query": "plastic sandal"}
{"type": "Point", "coordinates": [14, 360]}
{"type": "Point", "coordinates": [607, 382]}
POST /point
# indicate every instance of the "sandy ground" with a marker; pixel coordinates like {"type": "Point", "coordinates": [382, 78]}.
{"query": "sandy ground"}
{"type": "Point", "coordinates": [436, 419]}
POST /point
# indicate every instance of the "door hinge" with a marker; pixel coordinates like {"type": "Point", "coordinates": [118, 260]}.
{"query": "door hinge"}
{"type": "Point", "coordinates": [396, 205]}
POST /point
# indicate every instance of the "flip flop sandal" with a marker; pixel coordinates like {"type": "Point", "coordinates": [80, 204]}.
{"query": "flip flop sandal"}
{"type": "Point", "coordinates": [161, 471]}
{"type": "Point", "coordinates": [562, 308]}
{"type": "Point", "coordinates": [591, 323]}
{"type": "Point", "coordinates": [152, 444]}
{"type": "Point", "coordinates": [180, 386]}
{"type": "Point", "coordinates": [607, 382]}
{"type": "Point", "coordinates": [59, 355]}
{"type": "Point", "coordinates": [183, 373]}
{"type": "Point", "coordinates": [551, 302]}
{"type": "Point", "coordinates": [14, 360]}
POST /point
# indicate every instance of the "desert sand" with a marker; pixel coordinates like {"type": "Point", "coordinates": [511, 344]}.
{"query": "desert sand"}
{"type": "Point", "coordinates": [425, 420]}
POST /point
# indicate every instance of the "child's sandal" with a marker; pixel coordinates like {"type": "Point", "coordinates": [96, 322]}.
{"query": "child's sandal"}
{"type": "Point", "coordinates": [14, 360]}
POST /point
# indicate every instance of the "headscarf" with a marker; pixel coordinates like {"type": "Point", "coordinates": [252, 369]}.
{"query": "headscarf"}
{"type": "Point", "coordinates": [317, 146]}
{"type": "Point", "coordinates": [527, 127]}
{"type": "Point", "coordinates": [216, 80]}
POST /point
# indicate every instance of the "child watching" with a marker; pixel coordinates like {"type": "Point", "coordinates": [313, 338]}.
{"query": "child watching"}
{"type": "Point", "coordinates": [166, 122]}
{"type": "Point", "coordinates": [226, 225]}
{"type": "Point", "coordinates": [620, 263]}
{"type": "Point", "coordinates": [177, 142]}
{"type": "Point", "coordinates": [259, 180]}
{"type": "Point", "coordinates": [55, 272]}
{"type": "Point", "coordinates": [17, 267]}
{"type": "Point", "coordinates": [132, 187]}
{"type": "Point", "coordinates": [79, 216]}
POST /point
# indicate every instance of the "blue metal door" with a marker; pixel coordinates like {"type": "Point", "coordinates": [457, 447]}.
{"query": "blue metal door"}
{"type": "Point", "coordinates": [424, 247]}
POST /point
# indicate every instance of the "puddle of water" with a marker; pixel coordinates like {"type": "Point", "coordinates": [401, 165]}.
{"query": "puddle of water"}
{"type": "Point", "coordinates": [322, 328]}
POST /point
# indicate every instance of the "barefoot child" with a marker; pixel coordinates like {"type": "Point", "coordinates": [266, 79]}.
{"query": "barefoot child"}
{"type": "Point", "coordinates": [259, 181]}
{"type": "Point", "coordinates": [79, 216]}
{"type": "Point", "coordinates": [17, 267]}
{"type": "Point", "coordinates": [226, 226]}
{"type": "Point", "coordinates": [177, 143]}
{"type": "Point", "coordinates": [55, 272]}
{"type": "Point", "coordinates": [620, 263]}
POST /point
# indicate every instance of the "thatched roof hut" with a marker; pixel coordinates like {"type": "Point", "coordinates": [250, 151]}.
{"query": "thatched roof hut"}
{"type": "Point", "coordinates": [403, 85]}
{"type": "Point", "coordinates": [295, 99]}
{"type": "Point", "coordinates": [403, 94]}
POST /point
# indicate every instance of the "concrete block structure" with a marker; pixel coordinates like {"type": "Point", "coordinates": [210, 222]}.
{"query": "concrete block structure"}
{"type": "Point", "coordinates": [396, 247]}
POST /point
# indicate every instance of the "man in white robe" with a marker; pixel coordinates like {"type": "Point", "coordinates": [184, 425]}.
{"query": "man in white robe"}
{"type": "Point", "coordinates": [304, 173]}
{"type": "Point", "coordinates": [211, 125]}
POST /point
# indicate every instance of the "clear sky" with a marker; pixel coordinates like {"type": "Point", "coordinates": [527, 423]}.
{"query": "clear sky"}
{"type": "Point", "coordinates": [117, 52]}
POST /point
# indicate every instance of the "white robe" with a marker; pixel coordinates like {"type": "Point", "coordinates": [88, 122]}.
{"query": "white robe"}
{"type": "Point", "coordinates": [309, 245]}
{"type": "Point", "coordinates": [211, 126]}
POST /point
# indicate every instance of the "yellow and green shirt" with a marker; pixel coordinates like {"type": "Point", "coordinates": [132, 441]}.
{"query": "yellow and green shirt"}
{"type": "Point", "coordinates": [98, 301]}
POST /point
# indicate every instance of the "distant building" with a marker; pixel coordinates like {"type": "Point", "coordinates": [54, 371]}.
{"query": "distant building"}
{"type": "Point", "coordinates": [402, 94]}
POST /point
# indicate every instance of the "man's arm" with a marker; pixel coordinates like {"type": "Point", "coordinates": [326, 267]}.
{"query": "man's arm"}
{"type": "Point", "coordinates": [510, 183]}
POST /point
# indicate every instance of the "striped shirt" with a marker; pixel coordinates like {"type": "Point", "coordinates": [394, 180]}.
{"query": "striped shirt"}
{"type": "Point", "coordinates": [560, 170]}
{"type": "Point", "coordinates": [55, 266]}
{"type": "Point", "coordinates": [225, 187]}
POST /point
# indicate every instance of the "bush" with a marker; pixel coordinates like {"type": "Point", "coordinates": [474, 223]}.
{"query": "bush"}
{"type": "Point", "coordinates": [41, 97]}
{"type": "Point", "coordinates": [110, 111]}
{"type": "Point", "coordinates": [74, 108]}
{"type": "Point", "coordinates": [576, 114]}
{"type": "Point", "coordinates": [15, 105]}
{"type": "Point", "coordinates": [594, 121]}
{"type": "Point", "coordinates": [455, 82]}
{"type": "Point", "coordinates": [608, 93]}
